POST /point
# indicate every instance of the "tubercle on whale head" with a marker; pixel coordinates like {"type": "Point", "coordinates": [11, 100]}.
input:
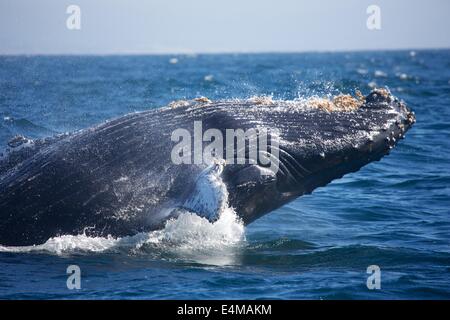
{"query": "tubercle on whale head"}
{"type": "Point", "coordinates": [405, 119]}
{"type": "Point", "coordinates": [318, 146]}
{"type": "Point", "coordinates": [337, 103]}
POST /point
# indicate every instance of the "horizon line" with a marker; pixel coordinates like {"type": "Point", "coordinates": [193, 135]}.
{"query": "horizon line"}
{"type": "Point", "coordinates": [187, 53]}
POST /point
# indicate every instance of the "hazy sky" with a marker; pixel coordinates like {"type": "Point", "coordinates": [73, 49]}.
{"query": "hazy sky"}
{"type": "Point", "coordinates": [172, 26]}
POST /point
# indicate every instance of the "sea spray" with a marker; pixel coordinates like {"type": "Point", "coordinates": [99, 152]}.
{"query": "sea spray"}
{"type": "Point", "coordinates": [187, 234]}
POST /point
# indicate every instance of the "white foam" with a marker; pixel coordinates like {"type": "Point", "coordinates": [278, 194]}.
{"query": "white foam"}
{"type": "Point", "coordinates": [187, 237]}
{"type": "Point", "coordinates": [380, 74]}
{"type": "Point", "coordinates": [190, 232]}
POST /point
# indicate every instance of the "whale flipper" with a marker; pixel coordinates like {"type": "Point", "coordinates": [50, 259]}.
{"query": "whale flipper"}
{"type": "Point", "coordinates": [210, 194]}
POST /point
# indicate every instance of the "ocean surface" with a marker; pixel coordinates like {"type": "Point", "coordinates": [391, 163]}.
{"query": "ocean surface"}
{"type": "Point", "coordinates": [394, 213]}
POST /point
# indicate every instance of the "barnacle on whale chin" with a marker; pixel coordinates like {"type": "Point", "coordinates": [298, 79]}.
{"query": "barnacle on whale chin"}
{"type": "Point", "coordinates": [342, 102]}
{"type": "Point", "coordinates": [178, 103]}
{"type": "Point", "coordinates": [338, 103]}
{"type": "Point", "coordinates": [202, 100]}
{"type": "Point", "coordinates": [262, 100]}
{"type": "Point", "coordinates": [382, 92]}
{"type": "Point", "coordinates": [184, 103]}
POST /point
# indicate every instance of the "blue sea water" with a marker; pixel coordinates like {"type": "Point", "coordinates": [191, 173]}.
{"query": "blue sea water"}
{"type": "Point", "coordinates": [393, 213]}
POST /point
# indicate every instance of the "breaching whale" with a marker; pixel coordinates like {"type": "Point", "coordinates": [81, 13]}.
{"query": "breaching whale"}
{"type": "Point", "coordinates": [119, 178]}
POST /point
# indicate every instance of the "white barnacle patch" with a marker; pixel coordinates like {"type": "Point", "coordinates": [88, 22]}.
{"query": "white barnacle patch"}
{"type": "Point", "coordinates": [340, 103]}
{"type": "Point", "coordinates": [203, 100]}
{"type": "Point", "coordinates": [382, 92]}
{"type": "Point", "coordinates": [178, 103]}
{"type": "Point", "coordinates": [262, 100]}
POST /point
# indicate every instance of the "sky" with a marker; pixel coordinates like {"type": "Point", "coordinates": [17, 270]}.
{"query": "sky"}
{"type": "Point", "coordinates": [213, 26]}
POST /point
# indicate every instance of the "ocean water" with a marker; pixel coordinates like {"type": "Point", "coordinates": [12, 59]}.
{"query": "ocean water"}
{"type": "Point", "coordinates": [393, 213]}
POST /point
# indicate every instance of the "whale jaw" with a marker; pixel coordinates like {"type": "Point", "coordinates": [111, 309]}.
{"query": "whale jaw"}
{"type": "Point", "coordinates": [318, 146]}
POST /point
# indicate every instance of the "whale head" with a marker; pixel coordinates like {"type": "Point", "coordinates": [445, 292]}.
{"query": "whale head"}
{"type": "Point", "coordinates": [318, 142]}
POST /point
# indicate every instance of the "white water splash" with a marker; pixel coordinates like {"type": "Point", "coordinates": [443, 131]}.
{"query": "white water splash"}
{"type": "Point", "coordinates": [187, 237]}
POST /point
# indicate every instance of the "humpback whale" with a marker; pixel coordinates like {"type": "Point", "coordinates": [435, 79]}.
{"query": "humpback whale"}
{"type": "Point", "coordinates": [118, 178]}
